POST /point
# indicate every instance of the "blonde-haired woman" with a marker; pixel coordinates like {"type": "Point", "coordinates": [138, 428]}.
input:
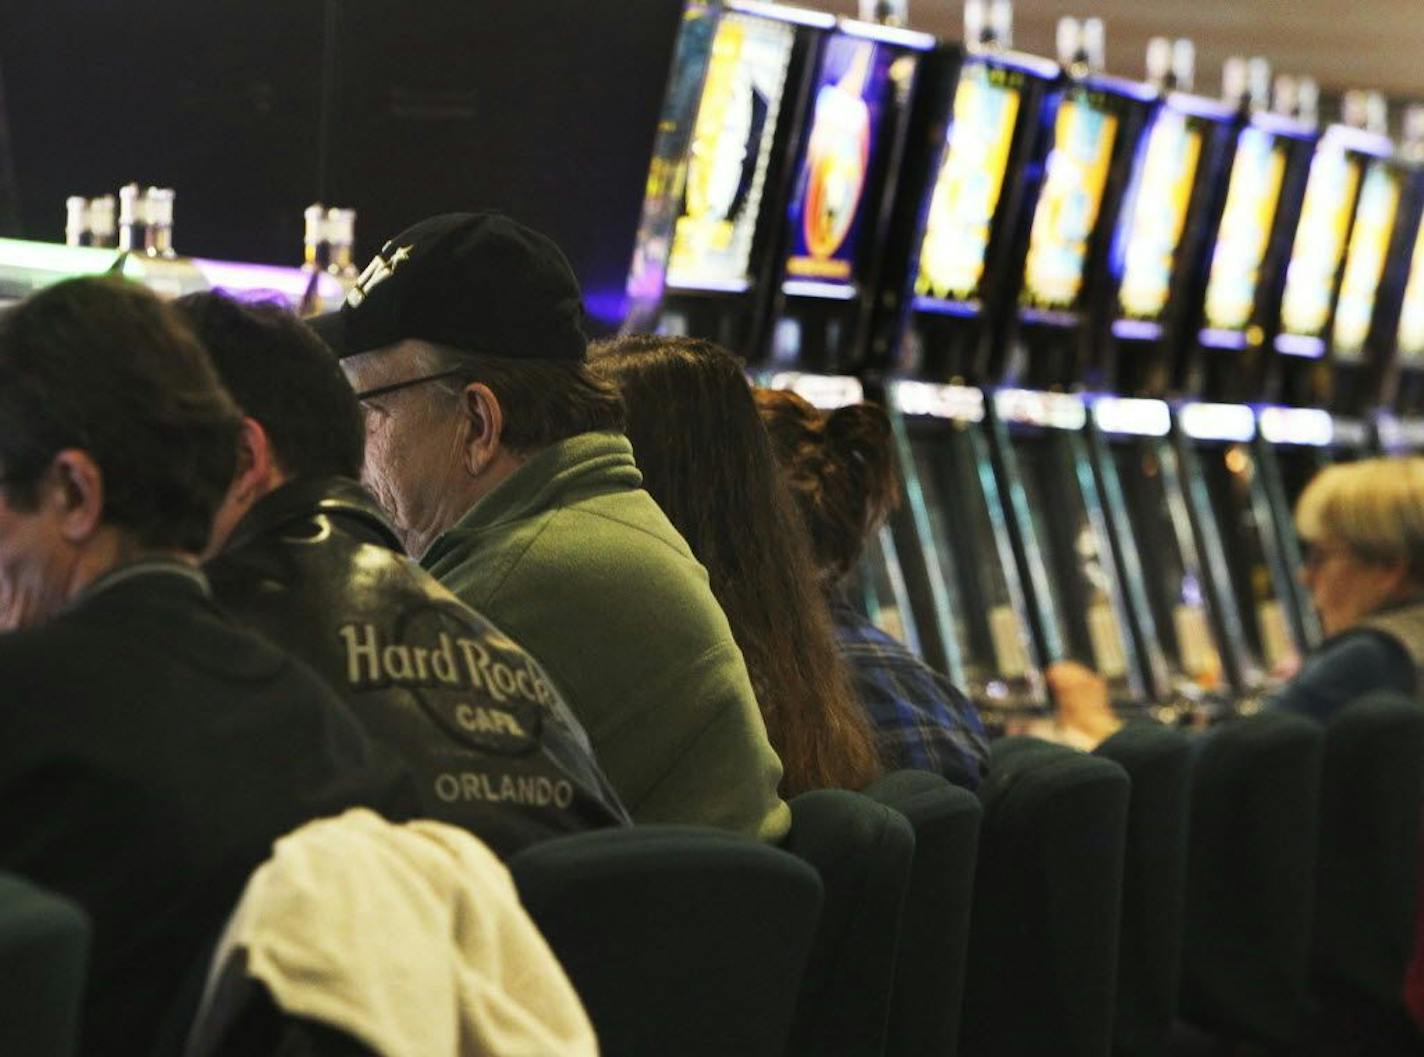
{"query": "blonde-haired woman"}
{"type": "Point", "coordinates": [1362, 527]}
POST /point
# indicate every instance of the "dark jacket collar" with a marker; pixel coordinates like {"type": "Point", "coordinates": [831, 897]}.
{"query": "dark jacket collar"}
{"type": "Point", "coordinates": [339, 498]}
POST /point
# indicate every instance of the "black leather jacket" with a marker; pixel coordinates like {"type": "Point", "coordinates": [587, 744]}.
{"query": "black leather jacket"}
{"type": "Point", "coordinates": [315, 566]}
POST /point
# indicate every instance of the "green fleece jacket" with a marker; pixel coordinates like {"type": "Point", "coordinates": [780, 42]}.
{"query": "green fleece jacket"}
{"type": "Point", "coordinates": [574, 560]}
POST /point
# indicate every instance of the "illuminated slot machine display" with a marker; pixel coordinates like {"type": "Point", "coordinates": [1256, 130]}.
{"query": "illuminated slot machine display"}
{"type": "Point", "coordinates": [1249, 247]}
{"type": "Point", "coordinates": [961, 246]}
{"type": "Point", "coordinates": [1409, 340]}
{"type": "Point", "coordinates": [854, 139]}
{"type": "Point", "coordinates": [957, 237]}
{"type": "Point", "coordinates": [1155, 257]}
{"type": "Point", "coordinates": [1399, 420]}
{"type": "Point", "coordinates": [1358, 344]}
{"type": "Point", "coordinates": [1161, 563]}
{"type": "Point", "coordinates": [1317, 262]}
{"type": "Point", "coordinates": [1096, 131]}
{"type": "Point", "coordinates": [707, 243]}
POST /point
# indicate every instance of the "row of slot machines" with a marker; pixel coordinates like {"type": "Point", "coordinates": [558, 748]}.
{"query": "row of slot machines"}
{"type": "Point", "coordinates": [1117, 327]}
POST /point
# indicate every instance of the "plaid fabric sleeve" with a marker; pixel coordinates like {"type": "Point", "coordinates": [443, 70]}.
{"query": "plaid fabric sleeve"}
{"type": "Point", "coordinates": [923, 721]}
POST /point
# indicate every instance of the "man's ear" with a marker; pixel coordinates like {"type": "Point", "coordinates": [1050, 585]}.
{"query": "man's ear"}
{"type": "Point", "coordinates": [75, 488]}
{"type": "Point", "coordinates": [484, 427]}
{"type": "Point", "coordinates": [256, 464]}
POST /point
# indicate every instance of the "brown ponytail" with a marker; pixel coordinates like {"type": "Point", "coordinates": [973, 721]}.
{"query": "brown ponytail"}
{"type": "Point", "coordinates": [841, 468]}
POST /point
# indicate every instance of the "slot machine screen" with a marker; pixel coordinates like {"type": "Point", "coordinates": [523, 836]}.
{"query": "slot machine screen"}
{"type": "Point", "coordinates": [970, 184]}
{"type": "Point", "coordinates": [1160, 528]}
{"type": "Point", "coordinates": [1252, 195]}
{"type": "Point", "coordinates": [1230, 474]}
{"type": "Point", "coordinates": [1411, 315]}
{"type": "Point", "coordinates": [731, 147]}
{"type": "Point", "coordinates": [848, 123]}
{"type": "Point", "coordinates": [989, 629]}
{"type": "Point", "coordinates": [1074, 183]}
{"type": "Point", "coordinates": [1365, 259]}
{"type": "Point", "coordinates": [1158, 213]}
{"type": "Point", "coordinates": [1079, 578]}
{"type": "Point", "coordinates": [1319, 241]}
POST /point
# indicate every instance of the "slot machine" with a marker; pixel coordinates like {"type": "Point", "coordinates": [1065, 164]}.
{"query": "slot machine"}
{"type": "Point", "coordinates": [1225, 367]}
{"type": "Point", "coordinates": [930, 342]}
{"type": "Point", "coordinates": [1325, 381]}
{"type": "Point", "coordinates": [1224, 358]}
{"type": "Point", "coordinates": [1143, 305]}
{"type": "Point", "coordinates": [1349, 166]}
{"type": "Point", "coordinates": [1249, 582]}
{"type": "Point", "coordinates": [1161, 561]}
{"type": "Point", "coordinates": [1054, 508]}
{"type": "Point", "coordinates": [854, 141]}
{"type": "Point", "coordinates": [1142, 314]}
{"type": "Point", "coordinates": [1399, 422]}
{"type": "Point", "coordinates": [706, 247]}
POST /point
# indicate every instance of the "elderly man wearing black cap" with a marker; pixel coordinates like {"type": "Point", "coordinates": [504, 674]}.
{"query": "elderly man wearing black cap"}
{"type": "Point", "coordinates": [503, 466]}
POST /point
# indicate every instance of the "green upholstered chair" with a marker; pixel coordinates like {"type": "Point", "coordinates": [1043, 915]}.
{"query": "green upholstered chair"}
{"type": "Point", "coordinates": [679, 940]}
{"type": "Point", "coordinates": [1043, 936]}
{"type": "Point", "coordinates": [1158, 759]}
{"type": "Point", "coordinates": [1251, 864]}
{"type": "Point", "coordinates": [1372, 787]}
{"type": "Point", "coordinates": [44, 953]}
{"type": "Point", "coordinates": [934, 932]}
{"type": "Point", "coordinates": [863, 852]}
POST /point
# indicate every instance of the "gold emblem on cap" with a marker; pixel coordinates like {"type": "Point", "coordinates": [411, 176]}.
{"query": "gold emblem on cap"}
{"type": "Point", "coordinates": [378, 271]}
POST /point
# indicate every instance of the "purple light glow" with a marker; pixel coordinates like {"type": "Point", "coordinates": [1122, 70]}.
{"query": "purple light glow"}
{"type": "Point", "coordinates": [253, 282]}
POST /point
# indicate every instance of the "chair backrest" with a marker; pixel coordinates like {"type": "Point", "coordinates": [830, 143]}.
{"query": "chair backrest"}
{"type": "Point", "coordinates": [1043, 937]}
{"type": "Point", "coordinates": [1372, 786]}
{"type": "Point", "coordinates": [863, 852]}
{"type": "Point", "coordinates": [1158, 760]}
{"type": "Point", "coordinates": [44, 953]}
{"type": "Point", "coordinates": [678, 939]}
{"type": "Point", "coordinates": [1251, 862]}
{"type": "Point", "coordinates": [934, 933]}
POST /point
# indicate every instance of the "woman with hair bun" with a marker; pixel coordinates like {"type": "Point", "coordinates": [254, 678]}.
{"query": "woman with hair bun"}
{"type": "Point", "coordinates": [707, 461]}
{"type": "Point", "coordinates": [840, 466]}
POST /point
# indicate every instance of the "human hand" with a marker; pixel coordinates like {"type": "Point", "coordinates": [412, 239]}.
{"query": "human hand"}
{"type": "Point", "coordinates": [1080, 699]}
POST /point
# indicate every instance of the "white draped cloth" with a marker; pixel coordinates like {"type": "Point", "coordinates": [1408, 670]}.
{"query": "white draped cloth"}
{"type": "Point", "coordinates": [409, 938]}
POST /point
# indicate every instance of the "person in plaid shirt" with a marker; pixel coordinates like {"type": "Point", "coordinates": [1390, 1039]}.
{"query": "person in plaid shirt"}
{"type": "Point", "coordinates": [840, 466]}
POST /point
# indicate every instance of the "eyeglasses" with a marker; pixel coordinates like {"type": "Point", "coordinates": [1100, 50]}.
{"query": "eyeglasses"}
{"type": "Point", "coordinates": [1314, 555]}
{"type": "Point", "coordinates": [395, 387]}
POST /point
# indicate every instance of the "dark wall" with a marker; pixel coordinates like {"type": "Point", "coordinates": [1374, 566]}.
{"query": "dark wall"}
{"type": "Point", "coordinates": [252, 109]}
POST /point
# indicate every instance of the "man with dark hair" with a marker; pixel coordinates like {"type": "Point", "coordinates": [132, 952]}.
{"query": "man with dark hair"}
{"type": "Point", "coordinates": [150, 749]}
{"type": "Point", "coordinates": [310, 561]}
{"type": "Point", "coordinates": [502, 462]}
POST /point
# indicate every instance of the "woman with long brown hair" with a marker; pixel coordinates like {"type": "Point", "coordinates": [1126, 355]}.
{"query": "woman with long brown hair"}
{"type": "Point", "coordinates": [708, 462]}
{"type": "Point", "coordinates": [840, 466]}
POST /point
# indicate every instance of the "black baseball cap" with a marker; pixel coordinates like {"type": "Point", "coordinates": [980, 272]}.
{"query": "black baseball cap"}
{"type": "Point", "coordinates": [477, 282]}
